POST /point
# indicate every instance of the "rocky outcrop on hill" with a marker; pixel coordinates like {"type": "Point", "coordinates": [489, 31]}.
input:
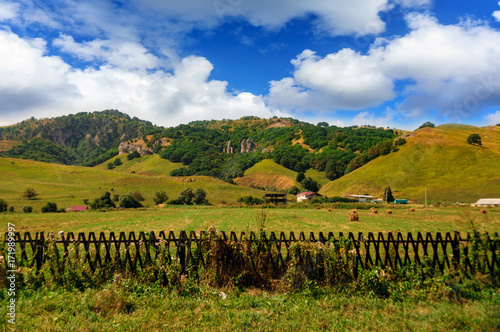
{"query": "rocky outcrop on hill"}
{"type": "Point", "coordinates": [404, 136]}
{"type": "Point", "coordinates": [247, 146]}
{"type": "Point", "coordinates": [135, 145]}
{"type": "Point", "coordinates": [228, 147]}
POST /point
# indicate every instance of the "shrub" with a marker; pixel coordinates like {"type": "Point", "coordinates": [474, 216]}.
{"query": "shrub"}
{"type": "Point", "coordinates": [133, 155]}
{"type": "Point", "coordinates": [138, 196]}
{"type": "Point", "coordinates": [50, 207]}
{"type": "Point", "coordinates": [111, 166]}
{"type": "Point", "coordinates": [400, 141]}
{"type": "Point", "coordinates": [129, 202]}
{"type": "Point", "coordinates": [118, 162]}
{"type": "Point", "coordinates": [103, 202]}
{"type": "Point", "coordinates": [200, 197]}
{"type": "Point", "coordinates": [293, 190]}
{"type": "Point", "coordinates": [27, 209]}
{"type": "Point", "coordinates": [11, 209]}
{"type": "Point", "coordinates": [250, 200]}
{"type": "Point", "coordinates": [3, 205]}
{"type": "Point", "coordinates": [160, 197]}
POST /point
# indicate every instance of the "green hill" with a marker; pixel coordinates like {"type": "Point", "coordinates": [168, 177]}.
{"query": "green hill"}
{"type": "Point", "coordinates": [69, 185]}
{"type": "Point", "coordinates": [267, 174]}
{"type": "Point", "coordinates": [440, 158]}
{"type": "Point", "coordinates": [145, 165]}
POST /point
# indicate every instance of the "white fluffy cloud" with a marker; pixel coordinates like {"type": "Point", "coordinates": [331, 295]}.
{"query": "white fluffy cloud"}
{"type": "Point", "coordinates": [496, 14]}
{"type": "Point", "coordinates": [337, 17]}
{"type": "Point", "coordinates": [493, 118]}
{"type": "Point", "coordinates": [8, 10]}
{"type": "Point", "coordinates": [453, 69]}
{"type": "Point", "coordinates": [40, 85]}
{"type": "Point", "coordinates": [344, 80]}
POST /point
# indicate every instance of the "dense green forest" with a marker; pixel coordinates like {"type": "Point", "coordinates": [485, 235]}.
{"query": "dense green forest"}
{"type": "Point", "coordinates": [212, 148]}
{"type": "Point", "coordinates": [87, 138]}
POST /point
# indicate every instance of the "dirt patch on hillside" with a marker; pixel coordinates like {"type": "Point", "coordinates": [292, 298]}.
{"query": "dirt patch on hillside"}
{"type": "Point", "coordinates": [265, 180]}
{"type": "Point", "coordinates": [301, 142]}
{"type": "Point", "coordinates": [7, 145]}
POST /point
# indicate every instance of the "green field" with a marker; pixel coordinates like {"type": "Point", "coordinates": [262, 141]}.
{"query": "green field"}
{"type": "Point", "coordinates": [70, 185]}
{"type": "Point", "coordinates": [296, 218]}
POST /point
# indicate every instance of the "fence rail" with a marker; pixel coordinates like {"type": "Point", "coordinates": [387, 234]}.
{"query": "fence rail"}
{"type": "Point", "coordinates": [132, 251]}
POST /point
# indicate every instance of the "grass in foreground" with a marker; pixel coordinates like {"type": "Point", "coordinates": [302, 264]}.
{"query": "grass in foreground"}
{"type": "Point", "coordinates": [115, 309]}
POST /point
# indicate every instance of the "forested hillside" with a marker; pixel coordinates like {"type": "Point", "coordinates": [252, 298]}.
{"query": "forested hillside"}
{"type": "Point", "coordinates": [83, 138]}
{"type": "Point", "coordinates": [221, 149]}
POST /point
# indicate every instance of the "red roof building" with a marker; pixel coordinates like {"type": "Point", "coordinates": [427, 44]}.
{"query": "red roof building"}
{"type": "Point", "coordinates": [77, 208]}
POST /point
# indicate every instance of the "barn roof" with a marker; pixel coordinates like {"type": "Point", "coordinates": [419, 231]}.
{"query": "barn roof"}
{"type": "Point", "coordinates": [488, 201]}
{"type": "Point", "coordinates": [79, 208]}
{"type": "Point", "coordinates": [361, 196]}
{"type": "Point", "coordinates": [308, 193]}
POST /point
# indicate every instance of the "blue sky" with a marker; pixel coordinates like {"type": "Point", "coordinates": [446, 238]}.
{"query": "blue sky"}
{"type": "Point", "coordinates": [395, 63]}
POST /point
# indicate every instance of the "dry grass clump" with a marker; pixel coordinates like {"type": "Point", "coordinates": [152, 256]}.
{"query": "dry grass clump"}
{"type": "Point", "coordinates": [388, 211]}
{"type": "Point", "coordinates": [374, 210]}
{"type": "Point", "coordinates": [482, 211]}
{"type": "Point", "coordinates": [353, 216]}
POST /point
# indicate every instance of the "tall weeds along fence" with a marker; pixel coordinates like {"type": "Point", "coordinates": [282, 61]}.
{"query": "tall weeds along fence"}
{"type": "Point", "coordinates": [268, 255]}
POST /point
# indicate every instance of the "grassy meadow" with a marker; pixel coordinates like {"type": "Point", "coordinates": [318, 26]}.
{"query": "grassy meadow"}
{"type": "Point", "coordinates": [421, 303]}
{"type": "Point", "coordinates": [294, 218]}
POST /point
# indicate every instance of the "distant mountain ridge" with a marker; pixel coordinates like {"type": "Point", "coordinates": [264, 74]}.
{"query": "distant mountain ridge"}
{"type": "Point", "coordinates": [219, 148]}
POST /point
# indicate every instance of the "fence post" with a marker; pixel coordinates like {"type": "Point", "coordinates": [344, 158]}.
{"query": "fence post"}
{"type": "Point", "coordinates": [39, 251]}
{"type": "Point", "coordinates": [182, 251]}
{"type": "Point", "coordinates": [456, 250]}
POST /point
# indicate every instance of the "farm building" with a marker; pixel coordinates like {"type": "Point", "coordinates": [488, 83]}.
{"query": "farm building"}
{"type": "Point", "coordinates": [363, 198]}
{"type": "Point", "coordinates": [488, 202]}
{"type": "Point", "coordinates": [78, 208]}
{"type": "Point", "coordinates": [276, 199]}
{"type": "Point", "coordinates": [401, 201]}
{"type": "Point", "coordinates": [302, 197]}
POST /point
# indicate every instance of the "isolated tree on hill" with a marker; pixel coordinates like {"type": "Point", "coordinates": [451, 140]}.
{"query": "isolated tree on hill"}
{"type": "Point", "coordinates": [427, 124]}
{"type": "Point", "coordinates": [474, 139]}
{"type": "Point", "coordinates": [30, 193]}
{"type": "Point", "coordinates": [388, 195]}
{"type": "Point", "coordinates": [160, 197]}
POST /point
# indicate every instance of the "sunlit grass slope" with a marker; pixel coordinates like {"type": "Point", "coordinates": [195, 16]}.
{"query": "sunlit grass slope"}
{"type": "Point", "coordinates": [268, 173]}
{"type": "Point", "coordinates": [69, 185]}
{"type": "Point", "coordinates": [147, 165]}
{"type": "Point", "coordinates": [440, 158]}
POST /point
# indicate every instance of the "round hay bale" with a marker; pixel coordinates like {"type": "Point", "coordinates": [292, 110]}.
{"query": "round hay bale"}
{"type": "Point", "coordinates": [330, 210]}
{"type": "Point", "coordinates": [353, 217]}
{"type": "Point", "coordinates": [374, 211]}
{"type": "Point", "coordinates": [412, 210]}
{"type": "Point", "coordinates": [318, 207]}
{"type": "Point", "coordinates": [388, 211]}
{"type": "Point", "coordinates": [482, 211]}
